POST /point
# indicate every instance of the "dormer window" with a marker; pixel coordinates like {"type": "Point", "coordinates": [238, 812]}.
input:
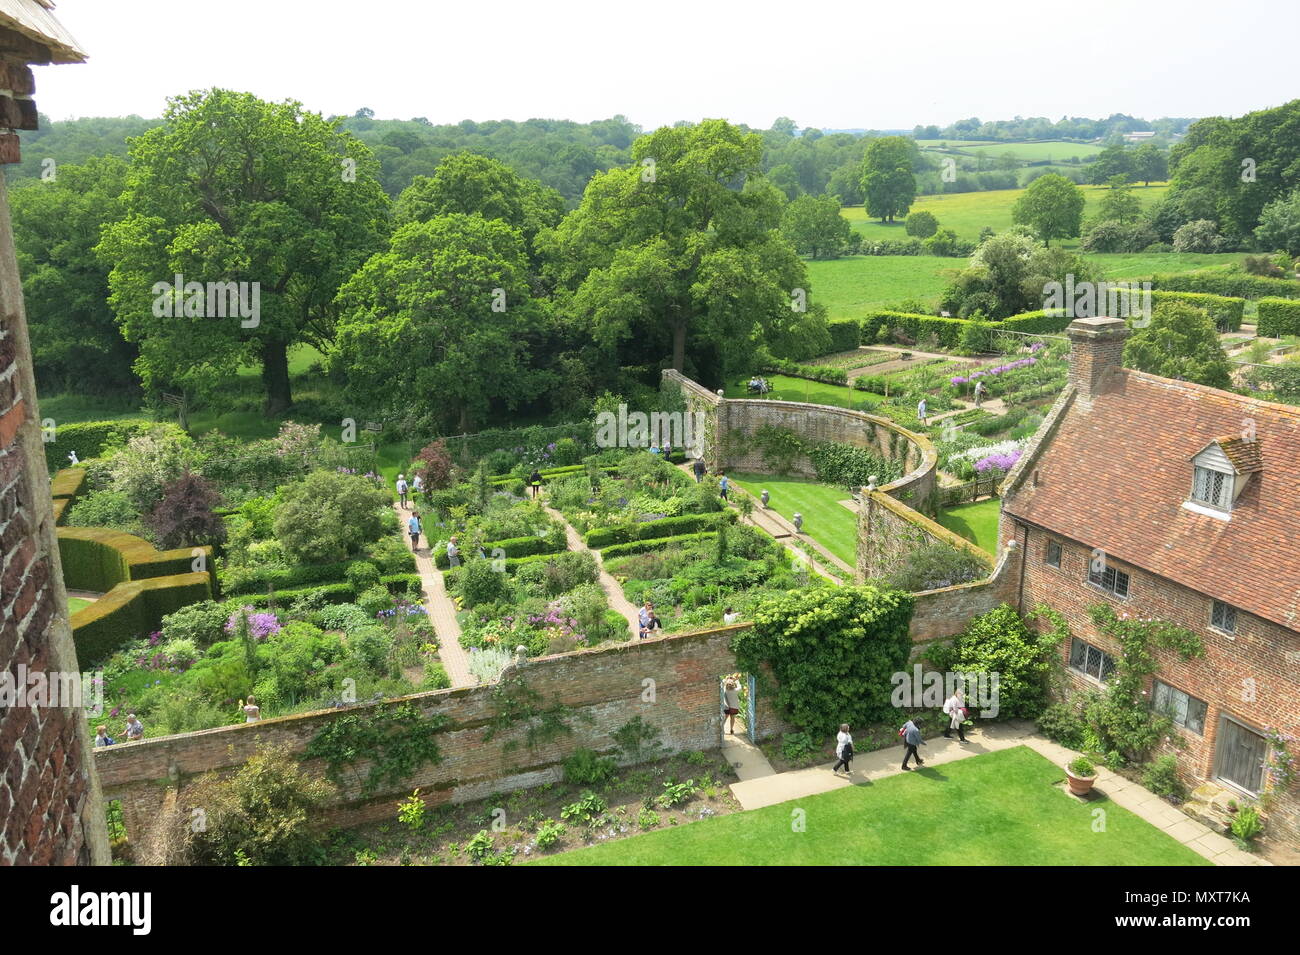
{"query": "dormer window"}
{"type": "Point", "coordinates": [1220, 472]}
{"type": "Point", "coordinates": [1212, 487]}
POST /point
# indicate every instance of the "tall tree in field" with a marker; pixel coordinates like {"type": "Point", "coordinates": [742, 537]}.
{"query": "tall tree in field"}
{"type": "Point", "coordinates": [76, 343]}
{"type": "Point", "coordinates": [680, 249]}
{"type": "Point", "coordinates": [1118, 204]}
{"type": "Point", "coordinates": [435, 327]}
{"type": "Point", "coordinates": [815, 227]}
{"type": "Point", "coordinates": [1181, 342]}
{"type": "Point", "coordinates": [1052, 206]}
{"type": "Point", "coordinates": [1149, 163]}
{"type": "Point", "coordinates": [888, 185]}
{"type": "Point", "coordinates": [1114, 160]}
{"type": "Point", "coordinates": [232, 189]}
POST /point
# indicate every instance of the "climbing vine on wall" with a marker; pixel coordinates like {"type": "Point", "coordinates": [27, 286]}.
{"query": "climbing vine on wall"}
{"type": "Point", "coordinates": [833, 462]}
{"type": "Point", "coordinates": [396, 741]}
{"type": "Point", "coordinates": [514, 703]}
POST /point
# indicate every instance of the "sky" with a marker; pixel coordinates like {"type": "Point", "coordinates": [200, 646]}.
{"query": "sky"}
{"type": "Point", "coordinates": [824, 63]}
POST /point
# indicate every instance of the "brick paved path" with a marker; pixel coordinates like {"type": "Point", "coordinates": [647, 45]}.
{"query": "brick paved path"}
{"type": "Point", "coordinates": [441, 610]}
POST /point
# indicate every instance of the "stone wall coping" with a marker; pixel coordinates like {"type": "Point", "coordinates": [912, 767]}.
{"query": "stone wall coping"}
{"type": "Point", "coordinates": [933, 528]}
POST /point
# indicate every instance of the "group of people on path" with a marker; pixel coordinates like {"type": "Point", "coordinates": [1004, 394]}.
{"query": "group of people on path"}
{"type": "Point", "coordinates": [954, 708]}
{"type": "Point", "coordinates": [134, 730]}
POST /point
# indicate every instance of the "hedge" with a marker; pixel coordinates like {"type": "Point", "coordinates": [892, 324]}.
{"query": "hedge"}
{"type": "Point", "coordinates": [602, 537]}
{"type": "Point", "coordinates": [60, 509]}
{"type": "Point", "coordinates": [511, 547]}
{"type": "Point", "coordinates": [1237, 285]}
{"type": "Point", "coordinates": [132, 609]}
{"type": "Point", "coordinates": [919, 327]}
{"type": "Point", "coordinates": [653, 543]}
{"type": "Point", "coordinates": [846, 334]}
{"type": "Point", "coordinates": [68, 483]}
{"type": "Point", "coordinates": [333, 593]}
{"type": "Point", "coordinates": [1277, 317]}
{"type": "Point", "coordinates": [1225, 312]}
{"type": "Point", "coordinates": [97, 558]}
{"type": "Point", "coordinates": [88, 438]}
{"type": "Point", "coordinates": [1041, 322]}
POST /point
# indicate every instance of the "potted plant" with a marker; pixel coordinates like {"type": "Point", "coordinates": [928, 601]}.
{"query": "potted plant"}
{"type": "Point", "coordinates": [1232, 805]}
{"type": "Point", "coordinates": [1081, 775]}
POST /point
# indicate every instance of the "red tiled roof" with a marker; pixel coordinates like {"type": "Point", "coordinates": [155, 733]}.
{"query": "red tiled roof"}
{"type": "Point", "coordinates": [1115, 476]}
{"type": "Point", "coordinates": [1245, 452]}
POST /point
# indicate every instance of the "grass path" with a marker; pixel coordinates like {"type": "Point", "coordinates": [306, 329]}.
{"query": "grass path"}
{"type": "Point", "coordinates": [977, 522]}
{"type": "Point", "coordinates": [1002, 808]}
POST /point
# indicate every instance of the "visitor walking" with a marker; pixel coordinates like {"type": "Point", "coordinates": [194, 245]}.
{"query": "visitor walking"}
{"type": "Point", "coordinates": [413, 528]}
{"type": "Point", "coordinates": [955, 709]}
{"type": "Point", "coordinates": [102, 738]}
{"type": "Point", "coordinates": [417, 485]}
{"type": "Point", "coordinates": [647, 617]}
{"type": "Point", "coordinates": [724, 486]}
{"type": "Point", "coordinates": [843, 750]}
{"type": "Point", "coordinates": [535, 482]}
{"type": "Point", "coordinates": [730, 701]}
{"type": "Point", "coordinates": [252, 712]}
{"type": "Point", "coordinates": [699, 469]}
{"type": "Point", "coordinates": [980, 392]}
{"type": "Point", "coordinates": [134, 728]}
{"type": "Point", "coordinates": [921, 412]}
{"type": "Point", "coordinates": [911, 734]}
{"type": "Point", "coordinates": [453, 553]}
{"type": "Point", "coordinates": [402, 487]}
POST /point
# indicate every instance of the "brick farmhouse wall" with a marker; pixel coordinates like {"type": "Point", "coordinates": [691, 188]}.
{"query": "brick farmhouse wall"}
{"type": "Point", "coordinates": [1252, 676]}
{"type": "Point", "coordinates": [50, 811]}
{"type": "Point", "coordinates": [602, 688]}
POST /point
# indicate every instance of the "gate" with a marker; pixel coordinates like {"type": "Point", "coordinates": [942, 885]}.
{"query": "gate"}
{"type": "Point", "coordinates": [747, 706]}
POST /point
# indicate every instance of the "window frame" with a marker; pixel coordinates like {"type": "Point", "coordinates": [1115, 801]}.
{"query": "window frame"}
{"type": "Point", "coordinates": [1103, 672]}
{"type": "Point", "coordinates": [1099, 581]}
{"type": "Point", "coordinates": [1171, 711]}
{"type": "Point", "coordinates": [1227, 488]}
{"type": "Point", "coordinates": [1060, 553]}
{"type": "Point", "coordinates": [1229, 610]}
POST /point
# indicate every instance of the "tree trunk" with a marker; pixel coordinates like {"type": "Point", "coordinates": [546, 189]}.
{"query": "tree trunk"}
{"type": "Point", "coordinates": [679, 347]}
{"type": "Point", "coordinates": [275, 377]}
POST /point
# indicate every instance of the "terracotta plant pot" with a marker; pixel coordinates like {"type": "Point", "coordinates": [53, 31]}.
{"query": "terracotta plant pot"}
{"type": "Point", "coordinates": [1080, 785]}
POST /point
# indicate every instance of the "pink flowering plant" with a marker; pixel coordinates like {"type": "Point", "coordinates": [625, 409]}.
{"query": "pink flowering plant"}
{"type": "Point", "coordinates": [260, 624]}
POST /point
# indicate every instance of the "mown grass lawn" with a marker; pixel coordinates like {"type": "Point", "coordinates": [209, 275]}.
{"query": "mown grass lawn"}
{"type": "Point", "coordinates": [1001, 808]}
{"type": "Point", "coordinates": [78, 603]}
{"type": "Point", "coordinates": [825, 520]}
{"type": "Point", "coordinates": [977, 522]}
{"type": "Point", "coordinates": [785, 388]}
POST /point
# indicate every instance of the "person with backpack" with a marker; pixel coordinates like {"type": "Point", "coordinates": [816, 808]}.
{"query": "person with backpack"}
{"type": "Point", "coordinates": [535, 482]}
{"type": "Point", "coordinates": [413, 528]}
{"type": "Point", "coordinates": [402, 487]}
{"type": "Point", "coordinates": [699, 469]}
{"type": "Point", "coordinates": [102, 738]}
{"type": "Point", "coordinates": [843, 750]}
{"type": "Point", "coordinates": [911, 734]}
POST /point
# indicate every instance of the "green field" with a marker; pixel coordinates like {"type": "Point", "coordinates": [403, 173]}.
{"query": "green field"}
{"type": "Point", "coordinates": [966, 213]}
{"type": "Point", "coordinates": [825, 520]}
{"type": "Point", "coordinates": [977, 522]}
{"type": "Point", "coordinates": [1002, 808]}
{"type": "Point", "coordinates": [855, 286]}
{"type": "Point", "coordinates": [1034, 152]}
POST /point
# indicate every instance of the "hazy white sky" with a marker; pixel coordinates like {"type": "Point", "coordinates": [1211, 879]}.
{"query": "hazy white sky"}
{"type": "Point", "coordinates": [824, 63]}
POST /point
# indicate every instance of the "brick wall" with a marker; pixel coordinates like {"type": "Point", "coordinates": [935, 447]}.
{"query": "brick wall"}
{"type": "Point", "coordinates": [50, 809]}
{"type": "Point", "coordinates": [603, 689]}
{"type": "Point", "coordinates": [1096, 349]}
{"type": "Point", "coordinates": [1252, 676]}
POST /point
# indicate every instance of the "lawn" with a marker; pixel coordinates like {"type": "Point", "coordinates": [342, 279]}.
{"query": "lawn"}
{"type": "Point", "coordinates": [966, 213]}
{"type": "Point", "coordinates": [825, 520]}
{"type": "Point", "coordinates": [998, 809]}
{"type": "Point", "coordinates": [977, 522]}
{"type": "Point", "coordinates": [785, 388]}
{"type": "Point", "coordinates": [78, 603]}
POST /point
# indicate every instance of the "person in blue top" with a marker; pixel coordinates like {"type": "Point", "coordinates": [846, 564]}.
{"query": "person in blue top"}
{"type": "Point", "coordinates": [723, 486]}
{"type": "Point", "coordinates": [413, 528]}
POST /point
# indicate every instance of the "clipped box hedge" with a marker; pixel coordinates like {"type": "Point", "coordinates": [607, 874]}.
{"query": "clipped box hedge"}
{"type": "Point", "coordinates": [653, 543]}
{"type": "Point", "coordinates": [602, 537]}
{"type": "Point", "coordinates": [132, 609]}
{"type": "Point", "coordinates": [846, 334]}
{"type": "Point", "coordinates": [1225, 312]}
{"type": "Point", "coordinates": [70, 483]}
{"type": "Point", "coordinates": [1277, 317]}
{"type": "Point", "coordinates": [1234, 284]}
{"type": "Point", "coordinates": [333, 594]}
{"type": "Point", "coordinates": [1041, 322]}
{"type": "Point", "coordinates": [918, 327]}
{"type": "Point", "coordinates": [511, 546]}
{"type": "Point", "coordinates": [97, 558]}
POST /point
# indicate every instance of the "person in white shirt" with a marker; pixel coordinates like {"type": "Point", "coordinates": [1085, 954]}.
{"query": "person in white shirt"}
{"type": "Point", "coordinates": [920, 411]}
{"type": "Point", "coordinates": [730, 616]}
{"type": "Point", "coordinates": [252, 712]}
{"type": "Point", "coordinates": [955, 709]}
{"type": "Point", "coordinates": [843, 750]}
{"type": "Point", "coordinates": [731, 701]}
{"type": "Point", "coordinates": [402, 488]}
{"type": "Point", "coordinates": [134, 728]}
{"type": "Point", "coordinates": [417, 485]}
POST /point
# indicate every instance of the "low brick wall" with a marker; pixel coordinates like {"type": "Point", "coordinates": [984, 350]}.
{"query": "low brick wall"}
{"type": "Point", "coordinates": [945, 612]}
{"type": "Point", "coordinates": [672, 682]}
{"type": "Point", "coordinates": [889, 530]}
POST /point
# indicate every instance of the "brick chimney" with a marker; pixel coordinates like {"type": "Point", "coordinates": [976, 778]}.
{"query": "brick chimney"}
{"type": "Point", "coordinates": [1096, 351]}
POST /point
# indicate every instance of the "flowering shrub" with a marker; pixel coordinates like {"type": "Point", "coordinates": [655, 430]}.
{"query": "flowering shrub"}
{"type": "Point", "coordinates": [260, 625]}
{"type": "Point", "coordinates": [1002, 462]}
{"type": "Point", "coordinates": [1000, 369]}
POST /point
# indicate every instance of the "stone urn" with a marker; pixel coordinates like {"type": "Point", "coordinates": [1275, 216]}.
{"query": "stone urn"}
{"type": "Point", "coordinates": [1081, 775]}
